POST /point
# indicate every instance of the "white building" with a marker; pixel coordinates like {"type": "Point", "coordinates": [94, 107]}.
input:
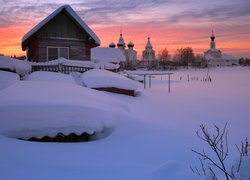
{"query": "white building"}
{"type": "Point", "coordinates": [148, 54]}
{"type": "Point", "coordinates": [214, 57]}
{"type": "Point", "coordinates": [130, 53]}
{"type": "Point", "coordinates": [121, 44]}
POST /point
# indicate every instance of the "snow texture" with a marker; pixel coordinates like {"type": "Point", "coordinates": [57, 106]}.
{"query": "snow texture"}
{"type": "Point", "coordinates": [18, 66]}
{"type": "Point", "coordinates": [55, 13]}
{"type": "Point", "coordinates": [7, 79]}
{"type": "Point", "coordinates": [50, 77]}
{"type": "Point", "coordinates": [45, 109]}
{"type": "Point", "coordinates": [111, 55]}
{"type": "Point", "coordinates": [153, 133]}
{"type": "Point", "coordinates": [97, 78]}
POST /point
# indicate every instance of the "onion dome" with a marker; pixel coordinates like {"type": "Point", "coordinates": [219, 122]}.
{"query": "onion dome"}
{"type": "Point", "coordinates": [130, 44]}
{"type": "Point", "coordinates": [112, 45]}
{"type": "Point", "coordinates": [212, 36]}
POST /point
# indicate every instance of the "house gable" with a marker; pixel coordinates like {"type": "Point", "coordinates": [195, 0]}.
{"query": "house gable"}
{"type": "Point", "coordinates": [63, 28]}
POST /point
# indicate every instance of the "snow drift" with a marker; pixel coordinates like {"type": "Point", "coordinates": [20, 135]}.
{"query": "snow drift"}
{"type": "Point", "coordinates": [7, 79]}
{"type": "Point", "coordinates": [45, 109]}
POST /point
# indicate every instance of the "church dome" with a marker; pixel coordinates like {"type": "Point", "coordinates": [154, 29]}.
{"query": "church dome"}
{"type": "Point", "coordinates": [112, 45]}
{"type": "Point", "coordinates": [130, 44]}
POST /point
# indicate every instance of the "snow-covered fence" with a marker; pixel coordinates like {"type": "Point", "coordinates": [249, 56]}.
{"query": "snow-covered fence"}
{"type": "Point", "coordinates": [66, 69]}
{"type": "Point", "coordinates": [63, 65]}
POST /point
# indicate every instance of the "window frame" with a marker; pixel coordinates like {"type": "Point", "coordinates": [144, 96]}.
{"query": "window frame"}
{"type": "Point", "coordinates": [58, 51]}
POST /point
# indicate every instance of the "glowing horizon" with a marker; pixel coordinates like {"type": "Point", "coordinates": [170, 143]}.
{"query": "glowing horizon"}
{"type": "Point", "coordinates": [170, 24]}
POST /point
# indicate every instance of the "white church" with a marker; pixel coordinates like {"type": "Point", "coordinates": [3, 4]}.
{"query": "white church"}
{"type": "Point", "coordinates": [148, 54]}
{"type": "Point", "coordinates": [130, 53]}
{"type": "Point", "coordinates": [214, 57]}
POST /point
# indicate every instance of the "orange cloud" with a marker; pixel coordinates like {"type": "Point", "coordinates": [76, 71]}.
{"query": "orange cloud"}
{"type": "Point", "coordinates": [10, 40]}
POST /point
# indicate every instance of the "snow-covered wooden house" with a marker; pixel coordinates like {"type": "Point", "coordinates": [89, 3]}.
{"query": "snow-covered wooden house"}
{"type": "Point", "coordinates": [62, 34]}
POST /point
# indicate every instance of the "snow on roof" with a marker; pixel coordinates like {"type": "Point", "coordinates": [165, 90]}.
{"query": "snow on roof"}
{"type": "Point", "coordinates": [208, 56]}
{"type": "Point", "coordinates": [19, 66]}
{"type": "Point", "coordinates": [46, 108]}
{"type": "Point", "coordinates": [55, 13]}
{"type": "Point", "coordinates": [7, 79]}
{"type": "Point", "coordinates": [102, 54]}
{"type": "Point", "coordinates": [97, 78]}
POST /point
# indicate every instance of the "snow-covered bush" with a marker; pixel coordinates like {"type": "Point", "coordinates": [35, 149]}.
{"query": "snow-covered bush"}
{"type": "Point", "coordinates": [20, 67]}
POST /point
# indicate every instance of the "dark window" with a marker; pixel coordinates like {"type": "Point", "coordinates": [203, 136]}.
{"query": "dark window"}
{"type": "Point", "coordinates": [56, 52]}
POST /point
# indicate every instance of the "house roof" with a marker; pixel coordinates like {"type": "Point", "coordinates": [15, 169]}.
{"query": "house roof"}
{"type": "Point", "coordinates": [102, 54]}
{"type": "Point", "coordinates": [55, 13]}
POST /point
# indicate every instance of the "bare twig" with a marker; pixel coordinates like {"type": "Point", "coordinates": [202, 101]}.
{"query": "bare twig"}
{"type": "Point", "coordinates": [218, 143]}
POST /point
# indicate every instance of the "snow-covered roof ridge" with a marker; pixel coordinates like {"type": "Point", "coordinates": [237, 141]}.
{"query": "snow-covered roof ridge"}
{"type": "Point", "coordinates": [56, 12]}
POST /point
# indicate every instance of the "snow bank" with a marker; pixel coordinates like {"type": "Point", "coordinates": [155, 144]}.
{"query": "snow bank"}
{"type": "Point", "coordinates": [45, 109]}
{"type": "Point", "coordinates": [97, 78]}
{"type": "Point", "coordinates": [50, 77]}
{"type": "Point", "coordinates": [8, 78]}
{"type": "Point", "coordinates": [19, 66]}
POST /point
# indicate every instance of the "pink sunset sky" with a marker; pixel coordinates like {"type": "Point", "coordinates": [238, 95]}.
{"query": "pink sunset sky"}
{"type": "Point", "coordinates": [170, 24]}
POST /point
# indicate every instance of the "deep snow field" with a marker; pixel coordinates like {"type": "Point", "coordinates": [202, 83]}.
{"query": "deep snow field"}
{"type": "Point", "coordinates": [152, 133]}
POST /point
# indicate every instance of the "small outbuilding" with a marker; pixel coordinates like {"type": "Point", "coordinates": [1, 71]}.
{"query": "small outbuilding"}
{"type": "Point", "coordinates": [109, 55]}
{"type": "Point", "coordinates": [62, 34]}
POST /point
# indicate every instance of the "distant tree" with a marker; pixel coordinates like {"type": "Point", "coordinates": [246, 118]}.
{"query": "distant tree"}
{"type": "Point", "coordinates": [198, 57]}
{"type": "Point", "coordinates": [163, 55]}
{"type": "Point", "coordinates": [184, 55]}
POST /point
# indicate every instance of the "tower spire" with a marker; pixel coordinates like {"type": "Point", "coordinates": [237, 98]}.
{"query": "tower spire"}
{"type": "Point", "coordinates": [212, 43]}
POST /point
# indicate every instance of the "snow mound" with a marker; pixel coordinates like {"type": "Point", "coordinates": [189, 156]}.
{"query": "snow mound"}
{"type": "Point", "coordinates": [18, 66]}
{"type": "Point", "coordinates": [7, 79]}
{"type": "Point", "coordinates": [173, 170]}
{"type": "Point", "coordinates": [97, 78]}
{"type": "Point", "coordinates": [46, 109]}
{"type": "Point", "coordinates": [50, 77]}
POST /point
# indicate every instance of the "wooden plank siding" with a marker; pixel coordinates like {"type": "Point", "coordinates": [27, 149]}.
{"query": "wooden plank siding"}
{"type": "Point", "coordinates": [61, 31]}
